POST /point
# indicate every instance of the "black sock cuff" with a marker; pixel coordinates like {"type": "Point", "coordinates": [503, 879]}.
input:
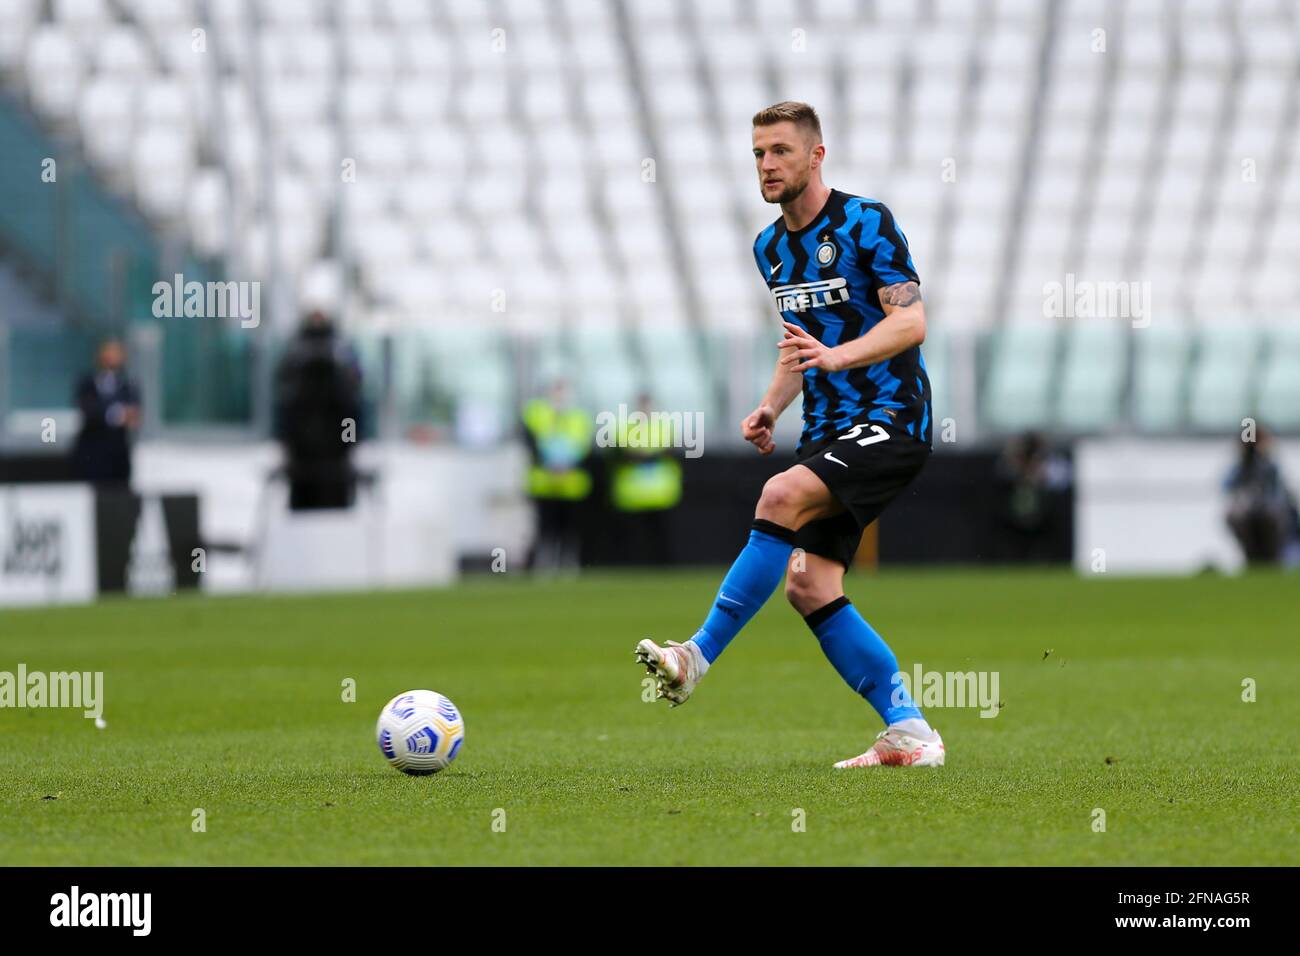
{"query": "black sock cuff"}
{"type": "Point", "coordinates": [817, 617]}
{"type": "Point", "coordinates": [774, 529]}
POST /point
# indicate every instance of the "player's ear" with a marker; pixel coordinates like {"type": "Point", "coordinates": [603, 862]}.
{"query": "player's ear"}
{"type": "Point", "coordinates": [818, 155]}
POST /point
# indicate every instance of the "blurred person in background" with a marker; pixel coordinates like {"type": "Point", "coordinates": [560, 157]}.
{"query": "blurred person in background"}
{"type": "Point", "coordinates": [1262, 512]}
{"type": "Point", "coordinates": [318, 415]}
{"type": "Point", "coordinates": [110, 411]}
{"type": "Point", "coordinates": [646, 483]}
{"type": "Point", "coordinates": [560, 439]}
{"type": "Point", "coordinates": [1030, 478]}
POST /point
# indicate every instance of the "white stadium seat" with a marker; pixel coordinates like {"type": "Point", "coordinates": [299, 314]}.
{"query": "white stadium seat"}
{"type": "Point", "coordinates": [162, 160]}
{"type": "Point", "coordinates": [54, 71]}
{"type": "Point", "coordinates": [106, 114]}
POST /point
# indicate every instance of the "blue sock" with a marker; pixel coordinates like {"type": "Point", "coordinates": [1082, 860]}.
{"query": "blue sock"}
{"type": "Point", "coordinates": [747, 586]}
{"type": "Point", "coordinates": [862, 658]}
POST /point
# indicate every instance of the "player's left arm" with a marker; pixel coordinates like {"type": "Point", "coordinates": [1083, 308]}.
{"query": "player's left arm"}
{"type": "Point", "coordinates": [902, 328]}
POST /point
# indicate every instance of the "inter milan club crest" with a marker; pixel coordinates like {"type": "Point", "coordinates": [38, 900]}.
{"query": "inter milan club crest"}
{"type": "Point", "coordinates": [826, 251]}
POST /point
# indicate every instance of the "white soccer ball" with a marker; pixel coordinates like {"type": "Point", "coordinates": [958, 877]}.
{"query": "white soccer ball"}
{"type": "Point", "coordinates": [420, 732]}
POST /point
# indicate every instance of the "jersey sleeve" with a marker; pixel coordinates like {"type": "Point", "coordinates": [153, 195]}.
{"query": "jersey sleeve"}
{"type": "Point", "coordinates": [882, 245]}
{"type": "Point", "coordinates": [758, 256]}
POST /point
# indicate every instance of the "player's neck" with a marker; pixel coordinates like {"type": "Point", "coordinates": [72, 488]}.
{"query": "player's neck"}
{"type": "Point", "coordinates": [804, 208]}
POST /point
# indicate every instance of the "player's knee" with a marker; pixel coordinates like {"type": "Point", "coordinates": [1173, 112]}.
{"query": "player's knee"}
{"type": "Point", "coordinates": [781, 498]}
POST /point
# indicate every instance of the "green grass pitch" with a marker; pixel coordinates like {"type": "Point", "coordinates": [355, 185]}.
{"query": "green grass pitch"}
{"type": "Point", "coordinates": [234, 705]}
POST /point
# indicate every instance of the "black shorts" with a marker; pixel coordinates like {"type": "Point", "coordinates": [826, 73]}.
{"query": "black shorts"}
{"type": "Point", "coordinates": [865, 467]}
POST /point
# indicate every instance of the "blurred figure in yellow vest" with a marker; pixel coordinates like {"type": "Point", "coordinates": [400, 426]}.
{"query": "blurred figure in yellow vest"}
{"type": "Point", "coordinates": [646, 481]}
{"type": "Point", "coordinates": [560, 438]}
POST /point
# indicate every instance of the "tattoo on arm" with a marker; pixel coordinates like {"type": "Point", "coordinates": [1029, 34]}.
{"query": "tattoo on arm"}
{"type": "Point", "coordinates": [900, 294]}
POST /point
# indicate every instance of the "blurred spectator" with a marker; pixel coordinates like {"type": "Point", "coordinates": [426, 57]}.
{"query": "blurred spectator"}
{"type": "Point", "coordinates": [318, 415]}
{"type": "Point", "coordinates": [560, 439]}
{"type": "Point", "coordinates": [110, 411]}
{"type": "Point", "coordinates": [1032, 480]}
{"type": "Point", "coordinates": [1261, 510]}
{"type": "Point", "coordinates": [646, 484]}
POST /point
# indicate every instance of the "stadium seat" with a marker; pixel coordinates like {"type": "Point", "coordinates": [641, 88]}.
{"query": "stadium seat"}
{"type": "Point", "coordinates": [938, 365]}
{"type": "Point", "coordinates": [162, 162]}
{"type": "Point", "coordinates": [54, 71]}
{"type": "Point", "coordinates": [208, 211]}
{"type": "Point", "coordinates": [1161, 354]}
{"type": "Point", "coordinates": [1278, 402]}
{"type": "Point", "coordinates": [1092, 375]}
{"type": "Point", "coordinates": [106, 117]}
{"type": "Point", "coordinates": [1225, 365]}
{"type": "Point", "coordinates": [1021, 370]}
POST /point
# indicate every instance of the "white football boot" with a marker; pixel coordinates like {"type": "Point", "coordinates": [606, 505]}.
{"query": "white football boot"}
{"type": "Point", "coordinates": [894, 748]}
{"type": "Point", "coordinates": [677, 668]}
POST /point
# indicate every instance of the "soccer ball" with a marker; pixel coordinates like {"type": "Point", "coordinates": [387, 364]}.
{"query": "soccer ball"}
{"type": "Point", "coordinates": [420, 732]}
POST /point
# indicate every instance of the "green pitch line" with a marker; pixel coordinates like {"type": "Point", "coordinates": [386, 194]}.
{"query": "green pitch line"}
{"type": "Point", "coordinates": [1118, 695]}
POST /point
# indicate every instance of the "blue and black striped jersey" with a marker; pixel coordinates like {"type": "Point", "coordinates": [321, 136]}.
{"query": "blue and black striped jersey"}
{"type": "Point", "coordinates": [826, 277]}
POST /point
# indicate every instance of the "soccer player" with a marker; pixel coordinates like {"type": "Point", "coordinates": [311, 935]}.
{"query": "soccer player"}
{"type": "Point", "coordinates": [843, 281]}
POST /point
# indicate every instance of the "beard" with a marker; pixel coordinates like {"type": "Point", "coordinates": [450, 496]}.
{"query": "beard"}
{"type": "Point", "coordinates": [790, 193]}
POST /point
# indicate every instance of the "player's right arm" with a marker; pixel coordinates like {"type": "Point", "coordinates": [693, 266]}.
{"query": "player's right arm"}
{"type": "Point", "coordinates": [757, 426]}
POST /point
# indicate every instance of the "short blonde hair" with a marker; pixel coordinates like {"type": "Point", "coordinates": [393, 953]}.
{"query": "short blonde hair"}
{"type": "Point", "coordinates": [790, 111]}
